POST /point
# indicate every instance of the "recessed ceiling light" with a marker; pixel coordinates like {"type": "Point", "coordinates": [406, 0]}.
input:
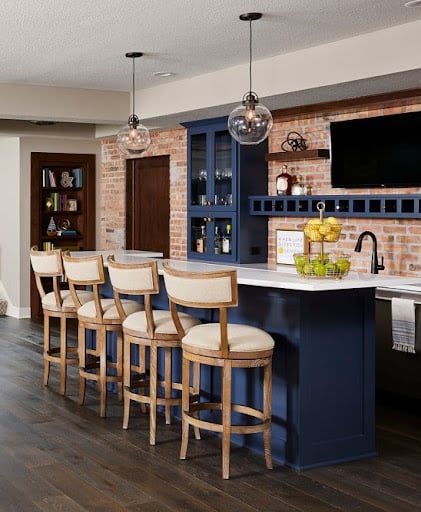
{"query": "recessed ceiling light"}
{"type": "Point", "coordinates": [164, 73]}
{"type": "Point", "coordinates": [413, 3]}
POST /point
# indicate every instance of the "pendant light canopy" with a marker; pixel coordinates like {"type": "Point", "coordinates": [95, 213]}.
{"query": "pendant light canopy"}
{"type": "Point", "coordinates": [133, 139]}
{"type": "Point", "coordinates": [250, 122]}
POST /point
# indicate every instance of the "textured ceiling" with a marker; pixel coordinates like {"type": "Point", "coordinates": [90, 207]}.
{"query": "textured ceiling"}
{"type": "Point", "coordinates": [82, 43]}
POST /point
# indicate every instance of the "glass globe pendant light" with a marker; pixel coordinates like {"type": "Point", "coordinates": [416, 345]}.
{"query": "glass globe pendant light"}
{"type": "Point", "coordinates": [250, 122]}
{"type": "Point", "coordinates": [133, 139]}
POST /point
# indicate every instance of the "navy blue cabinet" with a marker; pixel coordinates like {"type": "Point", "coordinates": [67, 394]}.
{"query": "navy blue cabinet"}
{"type": "Point", "coordinates": [221, 176]}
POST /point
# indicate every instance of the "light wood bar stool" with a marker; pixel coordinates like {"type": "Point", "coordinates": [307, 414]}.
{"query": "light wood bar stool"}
{"type": "Point", "coordinates": [101, 316]}
{"type": "Point", "coordinates": [153, 329]}
{"type": "Point", "coordinates": [223, 345]}
{"type": "Point", "coordinates": [57, 303]}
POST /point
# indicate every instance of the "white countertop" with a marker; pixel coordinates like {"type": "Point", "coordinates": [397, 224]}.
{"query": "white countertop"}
{"type": "Point", "coordinates": [123, 255]}
{"type": "Point", "coordinates": [284, 276]}
{"type": "Point", "coordinates": [269, 276]}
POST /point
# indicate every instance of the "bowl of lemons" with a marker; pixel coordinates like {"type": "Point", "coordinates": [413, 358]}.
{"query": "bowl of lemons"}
{"type": "Point", "coordinates": [319, 230]}
{"type": "Point", "coordinates": [322, 266]}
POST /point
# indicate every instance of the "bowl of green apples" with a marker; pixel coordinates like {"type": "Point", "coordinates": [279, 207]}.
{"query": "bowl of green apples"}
{"type": "Point", "coordinates": [322, 266]}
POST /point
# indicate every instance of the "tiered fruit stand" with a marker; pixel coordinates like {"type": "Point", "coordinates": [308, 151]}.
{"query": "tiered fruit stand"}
{"type": "Point", "coordinates": [321, 264]}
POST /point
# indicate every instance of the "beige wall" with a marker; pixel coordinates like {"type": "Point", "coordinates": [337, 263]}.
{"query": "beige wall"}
{"type": "Point", "coordinates": [15, 182]}
{"type": "Point", "coordinates": [10, 215]}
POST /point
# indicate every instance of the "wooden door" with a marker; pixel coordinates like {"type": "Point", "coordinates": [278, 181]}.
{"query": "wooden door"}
{"type": "Point", "coordinates": [148, 204]}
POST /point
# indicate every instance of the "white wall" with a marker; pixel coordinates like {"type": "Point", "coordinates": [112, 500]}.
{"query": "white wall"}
{"type": "Point", "coordinates": [10, 220]}
{"type": "Point", "coordinates": [15, 186]}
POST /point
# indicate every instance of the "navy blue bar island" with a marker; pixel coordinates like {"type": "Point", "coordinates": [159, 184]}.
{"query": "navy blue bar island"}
{"type": "Point", "coordinates": [324, 361]}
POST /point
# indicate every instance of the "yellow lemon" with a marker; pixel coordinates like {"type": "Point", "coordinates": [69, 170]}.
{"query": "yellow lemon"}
{"type": "Point", "coordinates": [325, 229]}
{"type": "Point", "coordinates": [332, 220]}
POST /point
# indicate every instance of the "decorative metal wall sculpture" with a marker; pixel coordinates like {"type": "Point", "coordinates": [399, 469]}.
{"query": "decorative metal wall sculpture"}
{"type": "Point", "coordinates": [294, 142]}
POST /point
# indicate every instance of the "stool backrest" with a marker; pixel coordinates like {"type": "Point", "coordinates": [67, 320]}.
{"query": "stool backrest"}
{"type": "Point", "coordinates": [47, 264]}
{"type": "Point", "coordinates": [211, 290]}
{"type": "Point", "coordinates": [134, 279]}
{"type": "Point", "coordinates": [85, 271]}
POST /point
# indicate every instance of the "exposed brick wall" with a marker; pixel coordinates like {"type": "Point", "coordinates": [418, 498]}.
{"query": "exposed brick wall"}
{"type": "Point", "coordinates": [399, 241]}
{"type": "Point", "coordinates": [112, 186]}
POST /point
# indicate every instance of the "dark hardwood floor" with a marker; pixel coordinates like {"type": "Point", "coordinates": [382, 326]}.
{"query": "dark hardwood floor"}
{"type": "Point", "coordinates": [57, 455]}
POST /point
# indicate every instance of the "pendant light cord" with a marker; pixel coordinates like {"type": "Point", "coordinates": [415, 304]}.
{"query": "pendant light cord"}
{"type": "Point", "coordinates": [251, 55]}
{"type": "Point", "coordinates": [133, 84]}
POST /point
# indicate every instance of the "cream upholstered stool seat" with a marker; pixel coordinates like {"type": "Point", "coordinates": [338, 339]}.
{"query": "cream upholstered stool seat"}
{"type": "Point", "coordinates": [153, 329]}
{"type": "Point", "coordinates": [101, 316]}
{"type": "Point", "coordinates": [48, 270]}
{"type": "Point", "coordinates": [220, 344]}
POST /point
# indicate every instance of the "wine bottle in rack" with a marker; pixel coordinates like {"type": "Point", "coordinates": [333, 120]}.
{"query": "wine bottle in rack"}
{"type": "Point", "coordinates": [217, 242]}
{"type": "Point", "coordinates": [227, 240]}
{"type": "Point", "coordinates": [201, 240]}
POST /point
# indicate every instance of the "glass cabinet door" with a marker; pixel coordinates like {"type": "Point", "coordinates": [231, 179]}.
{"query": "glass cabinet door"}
{"type": "Point", "coordinates": [199, 171]}
{"type": "Point", "coordinates": [222, 179]}
{"type": "Point", "coordinates": [211, 177]}
{"type": "Point", "coordinates": [211, 237]}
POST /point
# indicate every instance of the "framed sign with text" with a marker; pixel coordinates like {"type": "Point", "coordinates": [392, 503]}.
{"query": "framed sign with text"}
{"type": "Point", "coordinates": [289, 242]}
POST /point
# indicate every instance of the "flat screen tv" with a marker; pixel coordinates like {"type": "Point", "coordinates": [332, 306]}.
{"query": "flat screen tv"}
{"type": "Point", "coordinates": [376, 152]}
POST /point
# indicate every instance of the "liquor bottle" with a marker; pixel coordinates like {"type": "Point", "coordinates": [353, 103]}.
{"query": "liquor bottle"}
{"type": "Point", "coordinates": [226, 241]}
{"type": "Point", "coordinates": [217, 242]}
{"type": "Point", "coordinates": [283, 182]}
{"type": "Point", "coordinates": [299, 187]}
{"type": "Point", "coordinates": [201, 240]}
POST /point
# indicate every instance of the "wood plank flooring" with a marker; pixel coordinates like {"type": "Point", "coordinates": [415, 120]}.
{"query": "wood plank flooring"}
{"type": "Point", "coordinates": [58, 456]}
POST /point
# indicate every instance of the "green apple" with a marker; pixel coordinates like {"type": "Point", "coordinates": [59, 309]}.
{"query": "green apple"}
{"type": "Point", "coordinates": [343, 265]}
{"type": "Point", "coordinates": [319, 269]}
{"type": "Point", "coordinates": [331, 269]}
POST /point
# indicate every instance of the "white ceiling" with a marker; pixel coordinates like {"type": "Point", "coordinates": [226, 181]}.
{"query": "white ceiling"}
{"type": "Point", "coordinates": [81, 44]}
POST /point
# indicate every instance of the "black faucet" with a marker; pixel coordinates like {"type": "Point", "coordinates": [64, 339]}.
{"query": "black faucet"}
{"type": "Point", "coordinates": [375, 267]}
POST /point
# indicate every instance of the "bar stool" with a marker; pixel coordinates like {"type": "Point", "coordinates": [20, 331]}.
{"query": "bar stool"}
{"type": "Point", "coordinates": [150, 328]}
{"type": "Point", "coordinates": [224, 345]}
{"type": "Point", "coordinates": [48, 270]}
{"type": "Point", "coordinates": [101, 316]}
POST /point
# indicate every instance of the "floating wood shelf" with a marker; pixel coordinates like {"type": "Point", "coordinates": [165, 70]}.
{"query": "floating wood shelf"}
{"type": "Point", "coordinates": [308, 154]}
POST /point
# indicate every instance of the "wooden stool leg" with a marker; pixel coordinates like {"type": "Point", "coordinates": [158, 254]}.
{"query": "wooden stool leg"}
{"type": "Point", "coordinates": [46, 348]}
{"type": "Point", "coordinates": [226, 417]}
{"type": "Point", "coordinates": [63, 355]}
{"type": "Point", "coordinates": [196, 392]}
{"type": "Point", "coordinates": [119, 368]}
{"type": "Point", "coordinates": [267, 412]}
{"type": "Point", "coordinates": [142, 370]}
{"type": "Point", "coordinates": [153, 365]}
{"type": "Point", "coordinates": [168, 384]}
{"type": "Point", "coordinates": [102, 382]}
{"type": "Point", "coordinates": [185, 393]}
{"type": "Point", "coordinates": [126, 378]}
{"type": "Point", "coordinates": [82, 361]}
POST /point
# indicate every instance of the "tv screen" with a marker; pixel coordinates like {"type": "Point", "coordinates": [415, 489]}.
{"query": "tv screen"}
{"type": "Point", "coordinates": [376, 152]}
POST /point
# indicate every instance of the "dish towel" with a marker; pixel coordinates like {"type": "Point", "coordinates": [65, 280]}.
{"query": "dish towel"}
{"type": "Point", "coordinates": [403, 325]}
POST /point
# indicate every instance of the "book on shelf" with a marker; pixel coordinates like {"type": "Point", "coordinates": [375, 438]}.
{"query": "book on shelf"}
{"type": "Point", "coordinates": [67, 232]}
{"type": "Point", "coordinates": [78, 177]}
{"type": "Point", "coordinates": [52, 178]}
{"type": "Point", "coordinates": [47, 246]}
{"type": "Point", "coordinates": [60, 203]}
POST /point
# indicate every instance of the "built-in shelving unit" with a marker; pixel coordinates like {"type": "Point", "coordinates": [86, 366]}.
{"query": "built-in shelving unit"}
{"type": "Point", "coordinates": [381, 206]}
{"type": "Point", "coordinates": [62, 205]}
{"type": "Point", "coordinates": [308, 154]}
